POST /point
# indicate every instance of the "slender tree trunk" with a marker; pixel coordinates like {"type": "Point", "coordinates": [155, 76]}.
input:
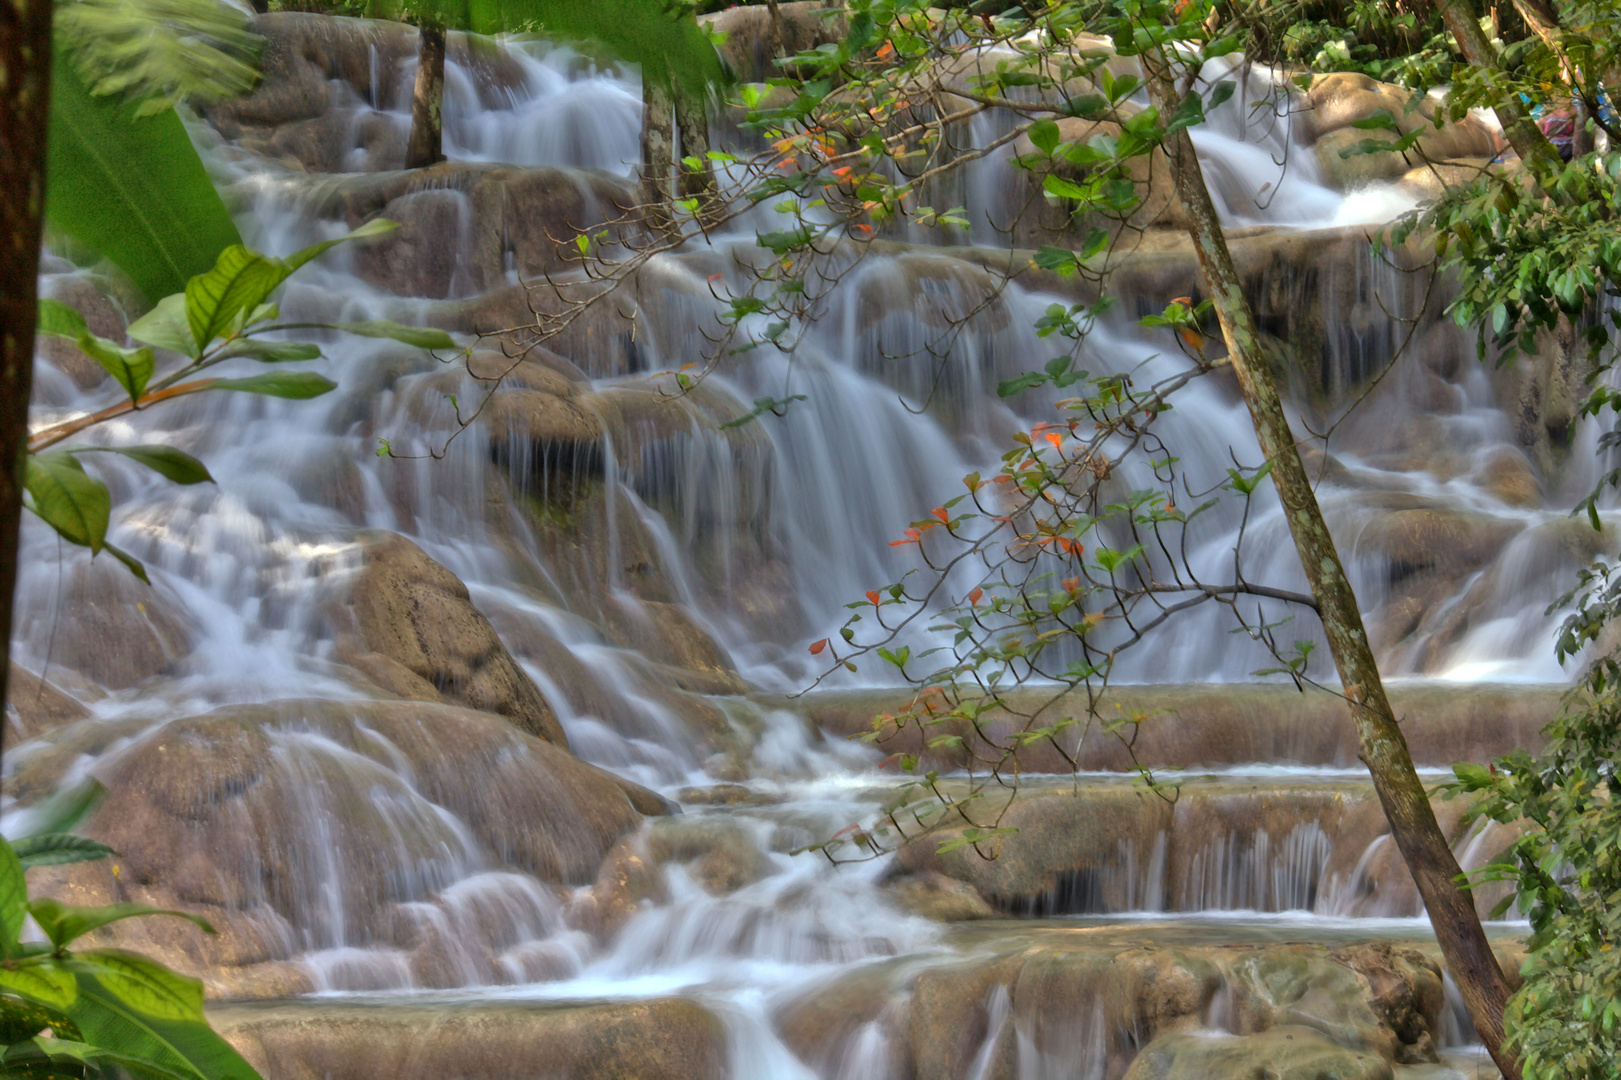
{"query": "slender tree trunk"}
{"type": "Point", "coordinates": [427, 100]}
{"type": "Point", "coordinates": [1383, 747]}
{"type": "Point", "coordinates": [25, 96]}
{"type": "Point", "coordinates": [658, 155]}
{"type": "Point", "coordinates": [692, 122]}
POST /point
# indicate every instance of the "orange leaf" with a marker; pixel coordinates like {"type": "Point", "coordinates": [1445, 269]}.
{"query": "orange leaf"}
{"type": "Point", "coordinates": [940, 512]}
{"type": "Point", "coordinates": [1056, 440]}
{"type": "Point", "coordinates": [1194, 339]}
{"type": "Point", "coordinates": [973, 597]}
{"type": "Point", "coordinates": [817, 647]}
{"type": "Point", "coordinates": [886, 50]}
{"type": "Point", "coordinates": [872, 595]}
{"type": "Point", "coordinates": [1071, 584]}
{"type": "Point", "coordinates": [864, 227]}
{"type": "Point", "coordinates": [912, 537]}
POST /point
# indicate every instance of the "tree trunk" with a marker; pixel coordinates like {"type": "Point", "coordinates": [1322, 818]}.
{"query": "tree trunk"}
{"type": "Point", "coordinates": [1383, 747]}
{"type": "Point", "coordinates": [427, 100]}
{"type": "Point", "coordinates": [25, 94]}
{"type": "Point", "coordinates": [658, 155]}
{"type": "Point", "coordinates": [692, 122]}
{"type": "Point", "coordinates": [1522, 132]}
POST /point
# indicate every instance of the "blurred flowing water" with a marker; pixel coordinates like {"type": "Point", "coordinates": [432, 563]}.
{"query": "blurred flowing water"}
{"type": "Point", "coordinates": [886, 431]}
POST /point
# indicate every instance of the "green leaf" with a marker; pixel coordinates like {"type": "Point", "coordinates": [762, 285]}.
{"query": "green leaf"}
{"type": "Point", "coordinates": [132, 368]}
{"type": "Point", "coordinates": [60, 320]}
{"type": "Point", "coordinates": [55, 849]}
{"type": "Point", "coordinates": [62, 811]}
{"type": "Point", "coordinates": [1044, 135]}
{"type": "Point", "coordinates": [165, 327]}
{"type": "Point", "coordinates": [131, 188]}
{"type": "Point", "coordinates": [13, 899]}
{"type": "Point", "coordinates": [221, 300]}
{"type": "Point", "coordinates": [240, 281]}
{"type": "Point", "coordinates": [374, 227]}
{"type": "Point", "coordinates": [1009, 387]}
{"type": "Point", "coordinates": [134, 565]}
{"type": "Point", "coordinates": [162, 53]}
{"type": "Point", "coordinates": [42, 981]}
{"type": "Point", "coordinates": [271, 352]}
{"type": "Point", "coordinates": [283, 384]}
{"type": "Point", "coordinates": [423, 337]}
{"type": "Point", "coordinates": [188, 1049]}
{"type": "Point", "coordinates": [176, 465]}
{"type": "Point", "coordinates": [76, 505]}
{"type": "Point", "coordinates": [143, 984]}
{"type": "Point", "coordinates": [1057, 186]}
{"type": "Point", "coordinates": [64, 923]}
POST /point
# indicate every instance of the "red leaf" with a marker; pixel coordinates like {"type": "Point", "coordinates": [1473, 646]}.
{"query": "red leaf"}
{"type": "Point", "coordinates": [973, 597]}
{"type": "Point", "coordinates": [1071, 584]}
{"type": "Point", "coordinates": [872, 595]}
{"type": "Point", "coordinates": [940, 512]}
{"type": "Point", "coordinates": [817, 647]}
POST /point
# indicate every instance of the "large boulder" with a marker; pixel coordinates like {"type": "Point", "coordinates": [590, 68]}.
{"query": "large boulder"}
{"type": "Point", "coordinates": [409, 830]}
{"type": "Point", "coordinates": [465, 224]}
{"type": "Point", "coordinates": [414, 631]}
{"type": "Point", "coordinates": [1334, 103]}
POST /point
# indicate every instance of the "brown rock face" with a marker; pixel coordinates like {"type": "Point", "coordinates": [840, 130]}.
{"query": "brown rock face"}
{"type": "Point", "coordinates": [421, 638]}
{"type": "Point", "coordinates": [753, 42]}
{"type": "Point", "coordinates": [34, 706]}
{"type": "Point", "coordinates": [324, 816]}
{"type": "Point", "coordinates": [662, 1039]}
{"type": "Point", "coordinates": [935, 896]}
{"type": "Point", "coordinates": [1337, 101]}
{"type": "Point", "coordinates": [101, 314]}
{"type": "Point", "coordinates": [319, 70]}
{"type": "Point", "coordinates": [1283, 1053]}
{"type": "Point", "coordinates": [111, 628]}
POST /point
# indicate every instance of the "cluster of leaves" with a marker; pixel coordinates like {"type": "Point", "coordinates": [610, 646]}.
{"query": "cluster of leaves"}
{"type": "Point", "coordinates": [1537, 249]}
{"type": "Point", "coordinates": [67, 1012]}
{"type": "Point", "coordinates": [1565, 1020]}
{"type": "Point", "coordinates": [224, 314]}
{"type": "Point", "coordinates": [1389, 40]}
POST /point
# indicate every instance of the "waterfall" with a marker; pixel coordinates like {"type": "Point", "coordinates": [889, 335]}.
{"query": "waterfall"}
{"type": "Point", "coordinates": [658, 576]}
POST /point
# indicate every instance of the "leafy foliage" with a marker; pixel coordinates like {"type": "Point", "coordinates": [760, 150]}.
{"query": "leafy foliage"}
{"type": "Point", "coordinates": [158, 53]}
{"type": "Point", "coordinates": [98, 1011]}
{"type": "Point", "coordinates": [130, 186]}
{"type": "Point", "coordinates": [1566, 865]}
{"type": "Point", "coordinates": [222, 314]}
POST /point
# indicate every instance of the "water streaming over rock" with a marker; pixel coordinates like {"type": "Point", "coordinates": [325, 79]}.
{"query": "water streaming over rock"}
{"type": "Point", "coordinates": [653, 574]}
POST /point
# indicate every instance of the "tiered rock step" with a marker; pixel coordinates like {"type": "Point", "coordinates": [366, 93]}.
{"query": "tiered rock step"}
{"type": "Point", "coordinates": [661, 1039]}
{"type": "Point", "coordinates": [1233, 724]}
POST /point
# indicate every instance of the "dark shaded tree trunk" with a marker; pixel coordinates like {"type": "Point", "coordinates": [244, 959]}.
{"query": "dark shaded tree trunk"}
{"type": "Point", "coordinates": [1418, 836]}
{"type": "Point", "coordinates": [25, 98]}
{"type": "Point", "coordinates": [692, 122]}
{"type": "Point", "coordinates": [427, 100]}
{"type": "Point", "coordinates": [658, 156]}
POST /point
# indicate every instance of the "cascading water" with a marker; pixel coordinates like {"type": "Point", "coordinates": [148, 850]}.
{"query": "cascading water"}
{"type": "Point", "coordinates": [750, 540]}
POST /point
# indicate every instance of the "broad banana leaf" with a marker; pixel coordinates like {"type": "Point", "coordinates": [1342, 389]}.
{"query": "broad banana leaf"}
{"type": "Point", "coordinates": [131, 187]}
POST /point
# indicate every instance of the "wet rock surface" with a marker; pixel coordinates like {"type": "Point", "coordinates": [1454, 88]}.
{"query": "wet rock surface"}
{"type": "Point", "coordinates": [661, 1039]}
{"type": "Point", "coordinates": [417, 634]}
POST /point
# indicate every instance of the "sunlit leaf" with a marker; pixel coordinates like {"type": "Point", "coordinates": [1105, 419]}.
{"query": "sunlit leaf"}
{"type": "Point", "coordinates": [73, 503]}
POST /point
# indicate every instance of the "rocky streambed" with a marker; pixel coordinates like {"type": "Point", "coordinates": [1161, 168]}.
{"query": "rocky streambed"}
{"type": "Point", "coordinates": [494, 764]}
